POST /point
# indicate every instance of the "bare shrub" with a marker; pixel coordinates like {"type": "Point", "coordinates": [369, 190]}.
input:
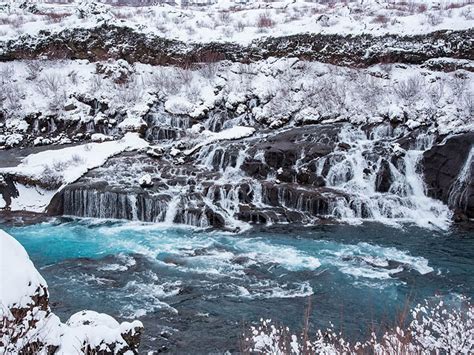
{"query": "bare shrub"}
{"type": "Point", "coordinates": [409, 90]}
{"type": "Point", "coordinates": [369, 90]}
{"type": "Point", "coordinates": [240, 26]}
{"type": "Point", "coordinates": [11, 96]}
{"type": "Point", "coordinates": [434, 19]}
{"type": "Point", "coordinates": [16, 22]}
{"type": "Point", "coordinates": [209, 70]}
{"type": "Point", "coordinates": [422, 8]}
{"type": "Point", "coordinates": [468, 103]}
{"type": "Point", "coordinates": [72, 75]}
{"type": "Point", "coordinates": [265, 21]}
{"type": "Point", "coordinates": [435, 328]}
{"type": "Point", "coordinates": [96, 83]}
{"type": "Point", "coordinates": [381, 19]}
{"type": "Point", "coordinates": [52, 87]}
{"type": "Point", "coordinates": [458, 4]}
{"type": "Point", "coordinates": [50, 82]}
{"type": "Point", "coordinates": [130, 92]}
{"type": "Point", "coordinates": [210, 66]}
{"type": "Point", "coordinates": [76, 159]}
{"type": "Point", "coordinates": [330, 93]}
{"type": "Point", "coordinates": [33, 68]}
{"type": "Point", "coordinates": [435, 93]}
{"type": "Point", "coordinates": [193, 93]}
{"type": "Point", "coordinates": [56, 17]}
{"type": "Point", "coordinates": [7, 73]}
{"type": "Point", "coordinates": [458, 85]}
{"type": "Point", "coordinates": [185, 76]}
{"type": "Point", "coordinates": [163, 83]}
{"type": "Point", "coordinates": [51, 177]}
{"type": "Point", "coordinates": [224, 17]}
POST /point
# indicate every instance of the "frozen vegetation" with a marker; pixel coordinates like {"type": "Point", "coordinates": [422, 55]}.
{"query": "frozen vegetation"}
{"type": "Point", "coordinates": [435, 327]}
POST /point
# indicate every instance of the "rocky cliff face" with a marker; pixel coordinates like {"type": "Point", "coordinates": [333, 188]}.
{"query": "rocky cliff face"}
{"type": "Point", "coordinates": [449, 173]}
{"type": "Point", "coordinates": [110, 41]}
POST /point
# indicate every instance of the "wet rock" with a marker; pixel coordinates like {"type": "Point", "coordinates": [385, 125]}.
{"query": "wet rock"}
{"type": "Point", "coordinates": [442, 166]}
{"type": "Point", "coordinates": [384, 177]}
{"type": "Point", "coordinates": [145, 181]}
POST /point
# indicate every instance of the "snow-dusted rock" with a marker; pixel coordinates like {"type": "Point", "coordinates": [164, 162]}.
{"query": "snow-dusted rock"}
{"type": "Point", "coordinates": [88, 8]}
{"type": "Point", "coordinates": [99, 137]}
{"type": "Point", "coordinates": [156, 152]}
{"type": "Point", "coordinates": [145, 181]}
{"type": "Point", "coordinates": [179, 106]}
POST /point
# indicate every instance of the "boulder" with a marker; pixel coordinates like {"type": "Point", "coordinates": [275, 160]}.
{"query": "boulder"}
{"type": "Point", "coordinates": [443, 167]}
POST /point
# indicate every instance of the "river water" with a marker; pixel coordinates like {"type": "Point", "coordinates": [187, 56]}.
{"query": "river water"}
{"type": "Point", "coordinates": [196, 291]}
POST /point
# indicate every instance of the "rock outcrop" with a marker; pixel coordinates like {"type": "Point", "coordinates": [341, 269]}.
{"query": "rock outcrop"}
{"type": "Point", "coordinates": [108, 40]}
{"type": "Point", "coordinates": [449, 173]}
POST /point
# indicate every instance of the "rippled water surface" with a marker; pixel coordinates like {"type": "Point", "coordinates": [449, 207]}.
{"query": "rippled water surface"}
{"type": "Point", "coordinates": [196, 291]}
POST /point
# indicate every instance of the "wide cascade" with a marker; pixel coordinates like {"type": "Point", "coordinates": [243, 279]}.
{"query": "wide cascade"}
{"type": "Point", "coordinates": [358, 174]}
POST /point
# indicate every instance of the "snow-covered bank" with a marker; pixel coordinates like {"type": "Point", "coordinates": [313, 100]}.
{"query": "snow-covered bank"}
{"type": "Point", "coordinates": [63, 166]}
{"type": "Point", "coordinates": [262, 139]}
{"type": "Point", "coordinates": [27, 324]}
{"type": "Point", "coordinates": [39, 176]}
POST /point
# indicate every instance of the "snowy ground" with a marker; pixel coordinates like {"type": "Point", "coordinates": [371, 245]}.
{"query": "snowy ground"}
{"type": "Point", "coordinates": [227, 21]}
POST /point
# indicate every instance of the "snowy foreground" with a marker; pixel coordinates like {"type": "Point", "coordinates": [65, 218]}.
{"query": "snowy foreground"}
{"type": "Point", "coordinates": [29, 326]}
{"type": "Point", "coordinates": [435, 328]}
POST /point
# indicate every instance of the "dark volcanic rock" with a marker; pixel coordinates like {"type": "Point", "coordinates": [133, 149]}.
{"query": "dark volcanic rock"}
{"type": "Point", "coordinates": [384, 177]}
{"type": "Point", "coordinates": [442, 165]}
{"type": "Point", "coordinates": [111, 41]}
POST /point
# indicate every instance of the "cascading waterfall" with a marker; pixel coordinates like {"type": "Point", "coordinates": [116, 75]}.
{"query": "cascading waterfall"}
{"type": "Point", "coordinates": [363, 176]}
{"type": "Point", "coordinates": [459, 191]}
{"type": "Point", "coordinates": [355, 172]}
{"type": "Point", "coordinates": [172, 209]}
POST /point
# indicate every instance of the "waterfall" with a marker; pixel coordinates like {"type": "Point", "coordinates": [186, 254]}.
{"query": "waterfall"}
{"type": "Point", "coordinates": [459, 191]}
{"type": "Point", "coordinates": [172, 209]}
{"type": "Point", "coordinates": [357, 172]}
{"type": "Point", "coordinates": [132, 199]}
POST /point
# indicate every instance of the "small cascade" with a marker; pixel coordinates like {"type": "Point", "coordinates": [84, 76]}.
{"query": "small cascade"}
{"type": "Point", "coordinates": [364, 175]}
{"type": "Point", "coordinates": [461, 188]}
{"type": "Point", "coordinates": [133, 204]}
{"type": "Point", "coordinates": [172, 209]}
{"type": "Point", "coordinates": [90, 202]}
{"type": "Point", "coordinates": [339, 173]}
{"type": "Point", "coordinates": [97, 204]}
{"type": "Point", "coordinates": [166, 126]}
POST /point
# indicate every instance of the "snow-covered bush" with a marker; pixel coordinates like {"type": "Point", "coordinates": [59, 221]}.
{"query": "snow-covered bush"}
{"type": "Point", "coordinates": [436, 327]}
{"type": "Point", "coordinates": [130, 92]}
{"type": "Point", "coordinates": [409, 90]}
{"type": "Point", "coordinates": [52, 86]}
{"type": "Point", "coordinates": [468, 100]}
{"type": "Point", "coordinates": [33, 68]}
